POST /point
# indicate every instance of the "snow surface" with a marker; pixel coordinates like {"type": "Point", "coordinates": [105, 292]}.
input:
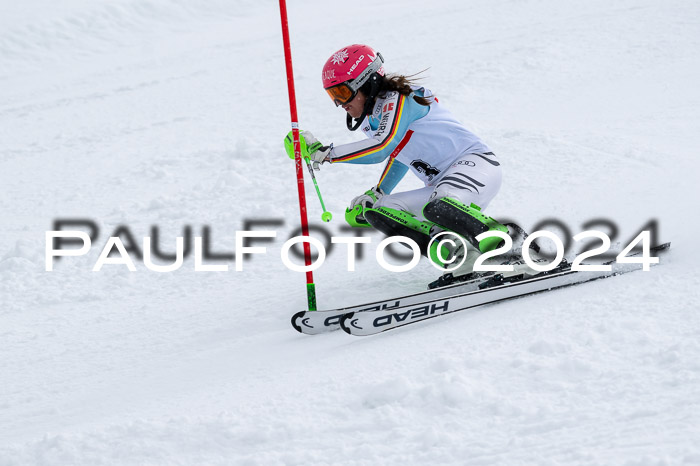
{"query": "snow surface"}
{"type": "Point", "coordinates": [170, 113]}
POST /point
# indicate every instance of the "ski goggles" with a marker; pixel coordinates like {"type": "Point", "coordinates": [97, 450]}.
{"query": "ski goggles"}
{"type": "Point", "coordinates": [343, 93]}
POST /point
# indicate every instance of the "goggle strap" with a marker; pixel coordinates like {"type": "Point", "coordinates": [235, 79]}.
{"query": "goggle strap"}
{"type": "Point", "coordinates": [373, 67]}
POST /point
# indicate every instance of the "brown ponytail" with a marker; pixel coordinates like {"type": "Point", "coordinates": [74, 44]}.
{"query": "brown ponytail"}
{"type": "Point", "coordinates": [402, 85]}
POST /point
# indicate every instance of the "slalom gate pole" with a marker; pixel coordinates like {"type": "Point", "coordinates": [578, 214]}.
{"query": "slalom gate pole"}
{"type": "Point", "coordinates": [310, 287]}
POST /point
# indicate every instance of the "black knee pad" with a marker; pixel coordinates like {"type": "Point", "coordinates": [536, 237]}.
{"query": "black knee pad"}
{"type": "Point", "coordinates": [393, 222]}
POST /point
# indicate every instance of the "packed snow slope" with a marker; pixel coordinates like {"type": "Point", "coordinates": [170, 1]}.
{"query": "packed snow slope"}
{"type": "Point", "coordinates": [167, 114]}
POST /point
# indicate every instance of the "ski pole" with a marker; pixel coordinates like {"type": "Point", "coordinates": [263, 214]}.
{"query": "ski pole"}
{"type": "Point", "coordinates": [325, 216]}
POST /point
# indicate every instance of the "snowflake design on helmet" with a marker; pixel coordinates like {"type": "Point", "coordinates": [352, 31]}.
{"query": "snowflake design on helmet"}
{"type": "Point", "coordinates": [340, 57]}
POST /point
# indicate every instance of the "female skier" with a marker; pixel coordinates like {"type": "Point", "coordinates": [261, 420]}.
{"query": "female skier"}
{"type": "Point", "coordinates": [408, 128]}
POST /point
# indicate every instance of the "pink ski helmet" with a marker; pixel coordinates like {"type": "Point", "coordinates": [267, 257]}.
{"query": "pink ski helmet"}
{"type": "Point", "coordinates": [348, 69]}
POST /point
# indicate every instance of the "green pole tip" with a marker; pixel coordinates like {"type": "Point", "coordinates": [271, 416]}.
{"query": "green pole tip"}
{"type": "Point", "coordinates": [326, 216]}
{"type": "Point", "coordinates": [311, 296]}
